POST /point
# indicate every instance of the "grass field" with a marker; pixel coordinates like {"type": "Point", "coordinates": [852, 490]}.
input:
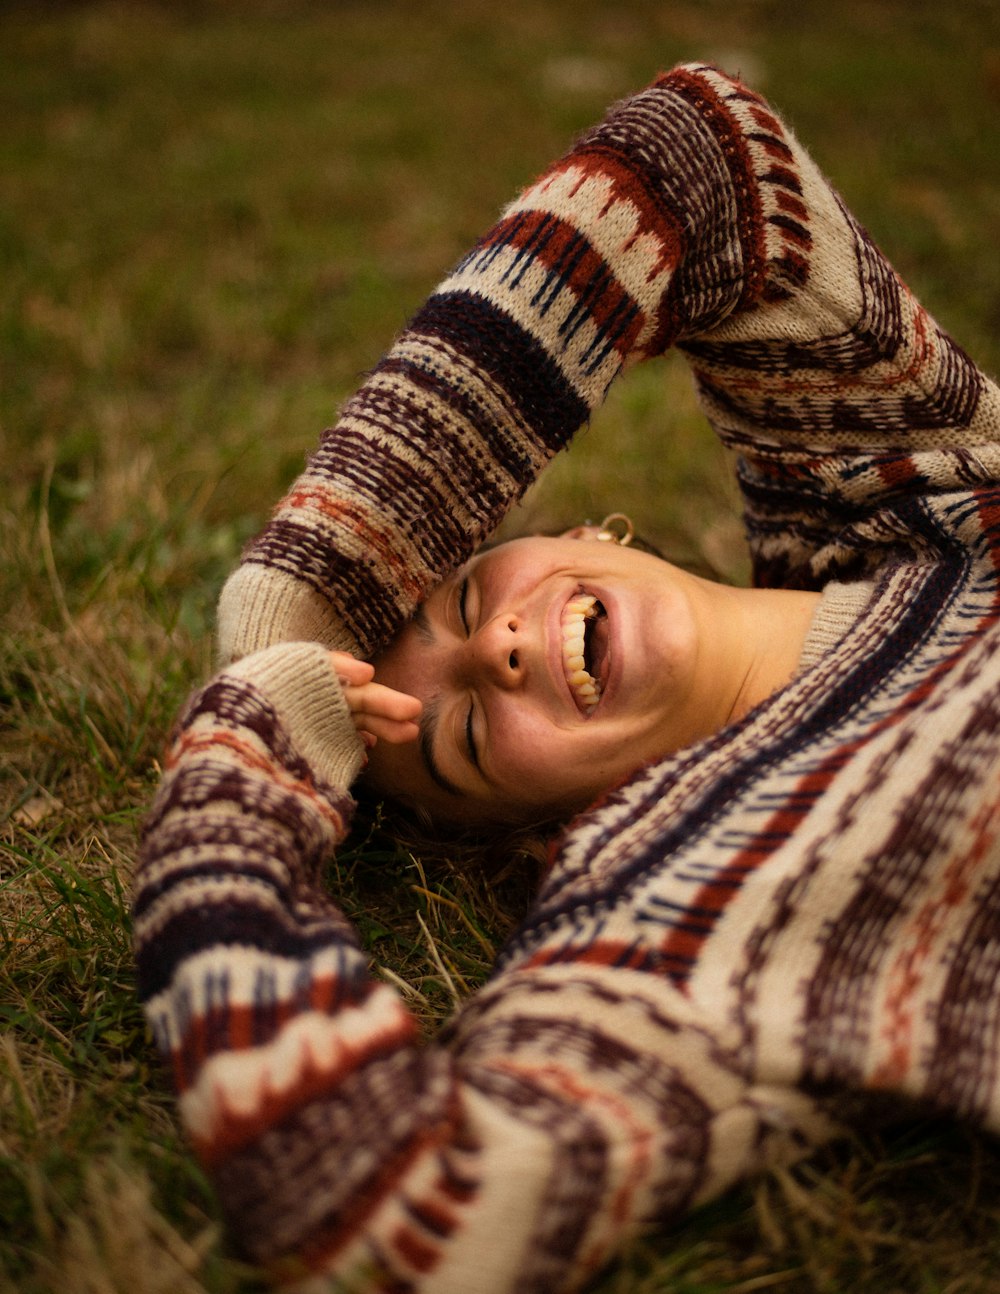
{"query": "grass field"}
{"type": "Point", "coordinates": [213, 218]}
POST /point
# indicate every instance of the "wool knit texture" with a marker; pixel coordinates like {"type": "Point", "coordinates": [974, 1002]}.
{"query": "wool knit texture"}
{"type": "Point", "coordinates": [747, 944]}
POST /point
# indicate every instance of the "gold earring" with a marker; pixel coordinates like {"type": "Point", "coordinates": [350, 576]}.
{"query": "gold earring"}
{"type": "Point", "coordinates": [622, 535]}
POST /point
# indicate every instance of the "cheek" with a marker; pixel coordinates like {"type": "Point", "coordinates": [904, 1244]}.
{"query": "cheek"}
{"type": "Point", "coordinates": [554, 767]}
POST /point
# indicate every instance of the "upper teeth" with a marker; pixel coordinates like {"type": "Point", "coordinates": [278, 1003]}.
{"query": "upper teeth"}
{"type": "Point", "coordinates": [576, 613]}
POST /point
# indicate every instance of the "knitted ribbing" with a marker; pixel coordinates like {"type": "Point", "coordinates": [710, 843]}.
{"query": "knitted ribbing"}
{"type": "Point", "coordinates": [839, 607]}
{"type": "Point", "coordinates": [804, 907]}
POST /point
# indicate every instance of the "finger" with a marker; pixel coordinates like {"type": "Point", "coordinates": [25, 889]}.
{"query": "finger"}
{"type": "Point", "coordinates": [351, 671]}
{"type": "Point", "coordinates": [376, 698]}
{"type": "Point", "coordinates": [394, 731]}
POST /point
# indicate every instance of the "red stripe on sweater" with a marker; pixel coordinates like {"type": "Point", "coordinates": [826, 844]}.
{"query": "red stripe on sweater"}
{"type": "Point", "coordinates": [194, 743]}
{"type": "Point", "coordinates": [686, 945]}
{"type": "Point", "coordinates": [235, 1130]}
{"type": "Point", "coordinates": [793, 205]}
{"type": "Point", "coordinates": [319, 1252]}
{"type": "Point", "coordinates": [768, 122]}
{"type": "Point", "coordinates": [898, 472]}
{"type": "Point", "coordinates": [924, 932]}
{"type": "Point", "coordinates": [711, 900]}
{"type": "Point", "coordinates": [629, 186]}
{"type": "Point", "coordinates": [602, 952]}
{"type": "Point", "coordinates": [414, 1250]}
{"type": "Point", "coordinates": [356, 520]}
{"type": "Point", "coordinates": [230, 1027]}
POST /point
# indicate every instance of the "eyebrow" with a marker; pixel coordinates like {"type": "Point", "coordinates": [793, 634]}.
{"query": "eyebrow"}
{"type": "Point", "coordinates": [422, 624]}
{"type": "Point", "coordinates": [429, 724]}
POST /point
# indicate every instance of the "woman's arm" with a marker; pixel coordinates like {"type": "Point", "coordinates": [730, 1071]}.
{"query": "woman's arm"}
{"type": "Point", "coordinates": [668, 218]}
{"type": "Point", "coordinates": [570, 1101]}
{"type": "Point", "coordinates": [690, 216]}
{"type": "Point", "coordinates": [853, 415]}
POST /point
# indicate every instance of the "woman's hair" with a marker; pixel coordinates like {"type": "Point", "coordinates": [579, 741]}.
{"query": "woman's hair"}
{"type": "Point", "coordinates": [497, 850]}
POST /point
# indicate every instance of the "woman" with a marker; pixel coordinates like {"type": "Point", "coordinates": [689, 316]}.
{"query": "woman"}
{"type": "Point", "coordinates": [747, 938]}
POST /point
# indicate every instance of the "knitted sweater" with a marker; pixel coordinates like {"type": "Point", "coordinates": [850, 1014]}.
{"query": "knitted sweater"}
{"type": "Point", "coordinates": [741, 946]}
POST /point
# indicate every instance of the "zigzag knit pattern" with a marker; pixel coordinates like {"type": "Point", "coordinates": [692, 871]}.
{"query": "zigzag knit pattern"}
{"type": "Point", "coordinates": [737, 948]}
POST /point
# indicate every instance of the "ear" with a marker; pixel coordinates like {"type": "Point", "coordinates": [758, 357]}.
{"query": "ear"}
{"type": "Point", "coordinates": [616, 528]}
{"type": "Point", "coordinates": [587, 531]}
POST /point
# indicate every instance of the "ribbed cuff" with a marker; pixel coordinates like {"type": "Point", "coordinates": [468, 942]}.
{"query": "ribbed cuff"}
{"type": "Point", "coordinates": [839, 607]}
{"type": "Point", "coordinates": [299, 681]}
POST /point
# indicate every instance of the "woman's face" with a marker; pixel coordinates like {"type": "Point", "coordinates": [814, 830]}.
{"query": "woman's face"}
{"type": "Point", "coordinates": [549, 670]}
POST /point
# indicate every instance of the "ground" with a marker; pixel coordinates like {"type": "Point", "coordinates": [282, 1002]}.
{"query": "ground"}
{"type": "Point", "coordinates": [213, 219]}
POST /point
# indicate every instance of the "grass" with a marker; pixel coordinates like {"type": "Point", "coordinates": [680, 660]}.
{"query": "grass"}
{"type": "Point", "coordinates": [213, 217]}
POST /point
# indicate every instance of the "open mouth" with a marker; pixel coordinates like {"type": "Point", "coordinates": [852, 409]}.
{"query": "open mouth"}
{"type": "Point", "coordinates": [585, 649]}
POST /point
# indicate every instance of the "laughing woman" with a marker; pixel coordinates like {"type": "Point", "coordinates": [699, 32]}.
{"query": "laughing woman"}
{"type": "Point", "coordinates": [778, 891]}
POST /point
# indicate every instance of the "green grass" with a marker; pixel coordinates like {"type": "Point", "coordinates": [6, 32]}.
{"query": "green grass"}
{"type": "Point", "coordinates": [213, 218]}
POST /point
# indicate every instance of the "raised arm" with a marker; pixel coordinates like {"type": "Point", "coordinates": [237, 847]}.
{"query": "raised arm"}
{"type": "Point", "coordinates": [689, 216]}
{"type": "Point", "coordinates": [668, 218]}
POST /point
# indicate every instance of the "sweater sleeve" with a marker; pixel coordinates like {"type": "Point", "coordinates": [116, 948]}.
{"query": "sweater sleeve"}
{"type": "Point", "coordinates": [679, 212]}
{"type": "Point", "coordinates": [690, 216]}
{"type": "Point", "coordinates": [570, 1101]}
{"type": "Point", "coordinates": [853, 415]}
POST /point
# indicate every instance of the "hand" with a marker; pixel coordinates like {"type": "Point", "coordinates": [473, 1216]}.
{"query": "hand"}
{"type": "Point", "coordinates": [377, 711]}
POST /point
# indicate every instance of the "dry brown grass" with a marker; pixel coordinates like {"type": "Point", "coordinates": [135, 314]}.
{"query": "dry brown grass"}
{"type": "Point", "coordinates": [212, 219]}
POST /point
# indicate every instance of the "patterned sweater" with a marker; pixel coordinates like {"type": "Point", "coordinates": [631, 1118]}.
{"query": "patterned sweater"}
{"type": "Point", "coordinates": [740, 947]}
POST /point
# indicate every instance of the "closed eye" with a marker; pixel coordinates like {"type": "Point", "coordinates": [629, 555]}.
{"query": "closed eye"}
{"type": "Point", "coordinates": [463, 615]}
{"type": "Point", "coordinates": [470, 741]}
{"type": "Point", "coordinates": [463, 593]}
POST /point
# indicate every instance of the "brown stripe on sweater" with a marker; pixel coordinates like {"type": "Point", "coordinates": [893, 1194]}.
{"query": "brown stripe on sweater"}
{"type": "Point", "coordinates": [356, 1142]}
{"type": "Point", "coordinates": [446, 462]}
{"type": "Point", "coordinates": [714, 276]}
{"type": "Point", "coordinates": [466, 442]}
{"type": "Point", "coordinates": [269, 818]}
{"type": "Point", "coordinates": [842, 993]}
{"type": "Point", "coordinates": [577, 1172]}
{"type": "Point", "coordinates": [962, 1068]}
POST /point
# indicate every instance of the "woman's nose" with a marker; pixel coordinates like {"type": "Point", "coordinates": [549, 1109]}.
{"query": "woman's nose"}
{"type": "Point", "coordinates": [494, 652]}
